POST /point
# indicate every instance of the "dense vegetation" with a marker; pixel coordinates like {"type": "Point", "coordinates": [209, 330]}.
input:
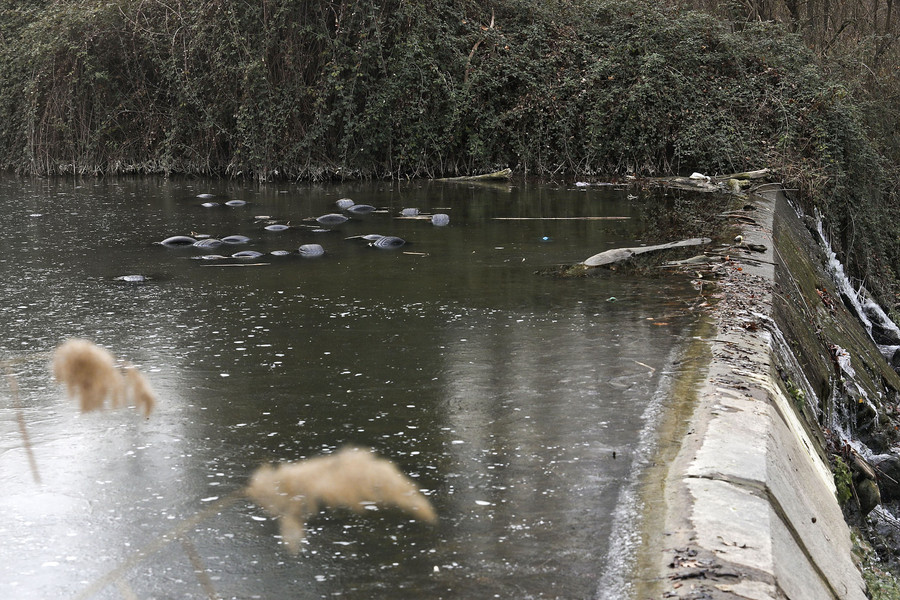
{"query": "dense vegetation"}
{"type": "Point", "coordinates": [399, 88]}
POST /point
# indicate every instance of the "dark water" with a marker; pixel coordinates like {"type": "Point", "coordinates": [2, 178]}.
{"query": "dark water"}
{"type": "Point", "coordinates": [501, 392]}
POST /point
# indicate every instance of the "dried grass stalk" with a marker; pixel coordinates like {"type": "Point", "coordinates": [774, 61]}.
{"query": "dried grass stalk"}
{"type": "Point", "coordinates": [91, 377]}
{"type": "Point", "coordinates": [351, 478]}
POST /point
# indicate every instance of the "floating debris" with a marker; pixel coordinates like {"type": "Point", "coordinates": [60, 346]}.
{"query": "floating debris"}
{"type": "Point", "coordinates": [210, 257]}
{"type": "Point", "coordinates": [409, 212]}
{"type": "Point", "coordinates": [440, 219]}
{"type": "Point", "coordinates": [369, 237]}
{"type": "Point", "coordinates": [133, 278]}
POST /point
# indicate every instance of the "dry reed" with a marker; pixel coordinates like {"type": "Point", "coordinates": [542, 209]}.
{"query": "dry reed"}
{"type": "Point", "coordinates": [352, 478]}
{"type": "Point", "coordinates": [90, 375]}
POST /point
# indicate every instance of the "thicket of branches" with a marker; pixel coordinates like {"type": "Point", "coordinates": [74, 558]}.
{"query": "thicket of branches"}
{"type": "Point", "coordinates": [857, 40]}
{"type": "Point", "coordinates": [557, 88]}
{"type": "Point", "coordinates": [348, 88]}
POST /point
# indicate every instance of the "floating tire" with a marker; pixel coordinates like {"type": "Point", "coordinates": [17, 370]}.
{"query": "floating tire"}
{"type": "Point", "coordinates": [388, 242]}
{"type": "Point", "coordinates": [361, 209]}
{"type": "Point", "coordinates": [179, 240]}
{"type": "Point", "coordinates": [331, 219]}
{"type": "Point", "coordinates": [235, 239]}
{"type": "Point", "coordinates": [208, 243]}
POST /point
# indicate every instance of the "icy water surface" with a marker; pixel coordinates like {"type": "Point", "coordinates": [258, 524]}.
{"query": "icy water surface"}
{"type": "Point", "coordinates": [519, 403]}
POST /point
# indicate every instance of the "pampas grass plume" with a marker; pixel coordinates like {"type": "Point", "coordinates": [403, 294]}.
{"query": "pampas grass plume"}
{"type": "Point", "coordinates": [139, 391]}
{"type": "Point", "coordinates": [351, 478]}
{"type": "Point", "coordinates": [90, 375]}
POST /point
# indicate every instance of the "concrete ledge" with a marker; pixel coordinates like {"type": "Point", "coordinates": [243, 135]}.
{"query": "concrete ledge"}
{"type": "Point", "coordinates": [750, 505]}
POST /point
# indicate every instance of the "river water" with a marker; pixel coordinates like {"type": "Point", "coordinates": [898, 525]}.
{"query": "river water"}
{"type": "Point", "coordinates": [520, 404]}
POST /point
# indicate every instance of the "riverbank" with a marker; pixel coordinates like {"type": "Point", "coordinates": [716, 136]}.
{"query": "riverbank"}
{"type": "Point", "coordinates": [557, 90]}
{"type": "Point", "coordinates": [742, 502]}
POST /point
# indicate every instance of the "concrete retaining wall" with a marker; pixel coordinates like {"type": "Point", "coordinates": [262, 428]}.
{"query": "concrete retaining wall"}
{"type": "Point", "coordinates": [748, 507]}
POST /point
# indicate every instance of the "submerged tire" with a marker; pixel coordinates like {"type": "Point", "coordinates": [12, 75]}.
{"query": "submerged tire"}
{"type": "Point", "coordinates": [277, 227]}
{"type": "Point", "coordinates": [235, 239]}
{"type": "Point", "coordinates": [247, 254]}
{"type": "Point", "coordinates": [235, 203]}
{"type": "Point", "coordinates": [344, 203]}
{"type": "Point", "coordinates": [208, 243]}
{"type": "Point", "coordinates": [311, 250]}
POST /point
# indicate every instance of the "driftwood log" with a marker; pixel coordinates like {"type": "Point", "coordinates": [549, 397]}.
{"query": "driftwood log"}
{"type": "Point", "coordinates": [505, 174]}
{"type": "Point", "coordinates": [619, 254]}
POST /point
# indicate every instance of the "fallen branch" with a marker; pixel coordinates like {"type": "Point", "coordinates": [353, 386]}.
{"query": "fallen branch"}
{"type": "Point", "coordinates": [560, 218]}
{"type": "Point", "coordinates": [239, 265]}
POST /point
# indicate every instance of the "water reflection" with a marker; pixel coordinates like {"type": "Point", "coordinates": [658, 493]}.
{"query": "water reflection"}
{"type": "Point", "coordinates": [502, 393]}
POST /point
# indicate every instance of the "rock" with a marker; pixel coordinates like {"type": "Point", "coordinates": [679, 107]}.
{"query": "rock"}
{"type": "Point", "coordinates": [869, 496]}
{"type": "Point", "coordinates": [888, 469]}
{"type": "Point", "coordinates": [895, 358]}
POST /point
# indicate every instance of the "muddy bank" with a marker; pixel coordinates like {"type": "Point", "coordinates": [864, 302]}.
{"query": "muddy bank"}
{"type": "Point", "coordinates": [741, 502]}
